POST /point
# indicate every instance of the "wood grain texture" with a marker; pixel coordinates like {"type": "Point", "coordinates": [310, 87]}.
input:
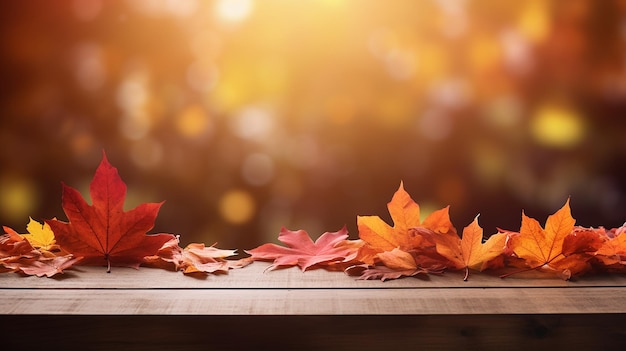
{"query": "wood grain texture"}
{"type": "Point", "coordinates": [252, 291]}
{"type": "Point", "coordinates": [287, 309]}
{"type": "Point", "coordinates": [313, 301]}
{"type": "Point", "coordinates": [255, 276]}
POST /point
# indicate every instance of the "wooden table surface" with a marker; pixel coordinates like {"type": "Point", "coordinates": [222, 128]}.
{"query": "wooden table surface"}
{"type": "Point", "coordinates": [252, 290]}
{"type": "Point", "coordinates": [440, 309]}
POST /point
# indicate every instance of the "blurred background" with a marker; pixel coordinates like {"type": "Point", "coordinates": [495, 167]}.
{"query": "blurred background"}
{"type": "Point", "coordinates": [246, 116]}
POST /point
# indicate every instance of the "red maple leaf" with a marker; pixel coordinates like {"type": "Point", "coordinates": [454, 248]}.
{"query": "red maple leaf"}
{"type": "Point", "coordinates": [103, 233]}
{"type": "Point", "coordinates": [329, 248]}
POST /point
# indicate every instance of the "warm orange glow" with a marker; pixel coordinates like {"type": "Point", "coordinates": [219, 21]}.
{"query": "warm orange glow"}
{"type": "Point", "coordinates": [313, 110]}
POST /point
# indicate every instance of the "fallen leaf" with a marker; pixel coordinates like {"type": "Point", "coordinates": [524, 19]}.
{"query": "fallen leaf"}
{"type": "Point", "coordinates": [13, 246]}
{"type": "Point", "coordinates": [40, 235]}
{"type": "Point", "coordinates": [406, 231]}
{"type": "Point", "coordinates": [582, 241]}
{"type": "Point", "coordinates": [469, 252]}
{"type": "Point", "coordinates": [543, 248]}
{"type": "Point", "coordinates": [612, 253]}
{"type": "Point", "coordinates": [330, 248]}
{"type": "Point", "coordinates": [103, 233]}
{"type": "Point", "coordinates": [18, 255]}
{"type": "Point", "coordinates": [44, 266]}
{"type": "Point", "coordinates": [367, 272]}
{"type": "Point", "coordinates": [395, 264]}
{"type": "Point", "coordinates": [405, 214]}
{"type": "Point", "coordinates": [195, 258]}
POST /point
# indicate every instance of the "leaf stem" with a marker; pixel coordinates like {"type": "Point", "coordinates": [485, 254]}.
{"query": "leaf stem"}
{"type": "Point", "coordinates": [108, 264]}
{"type": "Point", "coordinates": [531, 268]}
{"type": "Point", "coordinates": [520, 271]}
{"type": "Point", "coordinates": [466, 274]}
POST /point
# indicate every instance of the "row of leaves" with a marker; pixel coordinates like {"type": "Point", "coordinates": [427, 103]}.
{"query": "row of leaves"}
{"type": "Point", "coordinates": [104, 234]}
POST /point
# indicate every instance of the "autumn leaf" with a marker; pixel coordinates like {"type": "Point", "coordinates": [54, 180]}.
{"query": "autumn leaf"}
{"type": "Point", "coordinates": [405, 233]}
{"type": "Point", "coordinates": [612, 253]}
{"type": "Point", "coordinates": [14, 246]}
{"type": "Point", "coordinates": [394, 264]}
{"type": "Point", "coordinates": [405, 214]}
{"type": "Point", "coordinates": [469, 252]}
{"type": "Point", "coordinates": [41, 237]}
{"type": "Point", "coordinates": [43, 266]}
{"type": "Point", "coordinates": [582, 241]}
{"type": "Point", "coordinates": [18, 255]}
{"type": "Point", "coordinates": [103, 233]}
{"type": "Point", "coordinates": [328, 249]}
{"type": "Point", "coordinates": [543, 248]}
{"type": "Point", "coordinates": [195, 258]}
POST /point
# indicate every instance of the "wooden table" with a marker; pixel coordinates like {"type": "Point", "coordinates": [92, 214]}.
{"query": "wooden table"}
{"type": "Point", "coordinates": [288, 309]}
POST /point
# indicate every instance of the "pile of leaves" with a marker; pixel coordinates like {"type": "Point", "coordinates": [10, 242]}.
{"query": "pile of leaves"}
{"type": "Point", "coordinates": [103, 234]}
{"type": "Point", "coordinates": [412, 247]}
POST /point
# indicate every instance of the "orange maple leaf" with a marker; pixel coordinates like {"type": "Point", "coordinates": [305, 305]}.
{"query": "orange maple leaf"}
{"type": "Point", "coordinates": [328, 249]}
{"type": "Point", "coordinates": [543, 248]}
{"type": "Point", "coordinates": [469, 252]}
{"type": "Point", "coordinates": [405, 233]}
{"type": "Point", "coordinates": [104, 234]}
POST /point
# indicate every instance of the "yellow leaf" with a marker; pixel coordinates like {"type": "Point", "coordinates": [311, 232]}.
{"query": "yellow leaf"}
{"type": "Point", "coordinates": [40, 236]}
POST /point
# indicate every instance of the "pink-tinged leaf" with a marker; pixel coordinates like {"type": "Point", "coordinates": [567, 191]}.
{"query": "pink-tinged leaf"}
{"type": "Point", "coordinates": [329, 248]}
{"type": "Point", "coordinates": [367, 272]}
{"type": "Point", "coordinates": [44, 266]}
{"type": "Point", "coordinates": [17, 255]}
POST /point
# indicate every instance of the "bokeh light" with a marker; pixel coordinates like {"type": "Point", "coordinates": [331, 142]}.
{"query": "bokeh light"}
{"type": "Point", "coordinates": [233, 10]}
{"type": "Point", "coordinates": [237, 206]}
{"type": "Point", "coordinates": [18, 197]}
{"type": "Point", "coordinates": [246, 116]}
{"type": "Point", "coordinates": [557, 126]}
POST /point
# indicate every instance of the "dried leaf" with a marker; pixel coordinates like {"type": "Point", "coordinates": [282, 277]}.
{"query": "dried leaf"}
{"type": "Point", "coordinates": [195, 258]}
{"type": "Point", "coordinates": [367, 272]}
{"type": "Point", "coordinates": [44, 266]}
{"type": "Point", "coordinates": [18, 255]}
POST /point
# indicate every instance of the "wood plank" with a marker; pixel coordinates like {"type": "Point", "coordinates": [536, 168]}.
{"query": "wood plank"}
{"type": "Point", "coordinates": [435, 301]}
{"type": "Point", "coordinates": [255, 276]}
{"type": "Point", "coordinates": [304, 333]}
